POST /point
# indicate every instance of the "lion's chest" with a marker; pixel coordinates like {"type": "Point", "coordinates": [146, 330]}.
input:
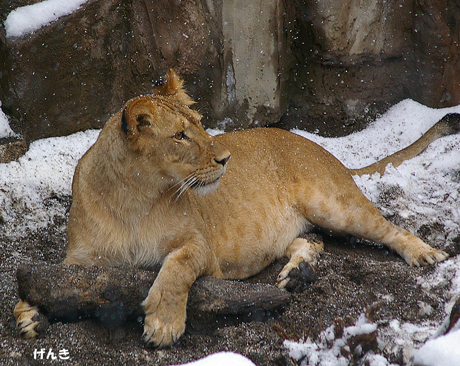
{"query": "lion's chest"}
{"type": "Point", "coordinates": [144, 240]}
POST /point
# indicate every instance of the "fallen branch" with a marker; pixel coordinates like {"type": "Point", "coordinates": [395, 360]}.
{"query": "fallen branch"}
{"type": "Point", "coordinates": [67, 293]}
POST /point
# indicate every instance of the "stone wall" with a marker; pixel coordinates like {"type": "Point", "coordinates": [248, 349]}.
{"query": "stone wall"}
{"type": "Point", "coordinates": [75, 73]}
{"type": "Point", "coordinates": [354, 58]}
{"type": "Point", "coordinates": [325, 65]}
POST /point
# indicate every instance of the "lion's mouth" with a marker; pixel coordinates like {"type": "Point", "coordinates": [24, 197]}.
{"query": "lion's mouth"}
{"type": "Point", "coordinates": [203, 188]}
{"type": "Point", "coordinates": [202, 184]}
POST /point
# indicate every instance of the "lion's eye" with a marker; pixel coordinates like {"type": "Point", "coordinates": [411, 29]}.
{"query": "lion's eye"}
{"type": "Point", "coordinates": [181, 136]}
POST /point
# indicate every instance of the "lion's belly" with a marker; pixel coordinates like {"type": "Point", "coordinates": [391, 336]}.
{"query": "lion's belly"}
{"type": "Point", "coordinates": [251, 254]}
{"type": "Point", "coordinates": [247, 239]}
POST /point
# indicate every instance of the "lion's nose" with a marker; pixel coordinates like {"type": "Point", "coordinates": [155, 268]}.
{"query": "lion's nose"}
{"type": "Point", "coordinates": [222, 160]}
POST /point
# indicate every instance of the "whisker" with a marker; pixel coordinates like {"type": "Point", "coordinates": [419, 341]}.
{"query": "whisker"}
{"type": "Point", "coordinates": [175, 185]}
{"type": "Point", "coordinates": [185, 185]}
{"type": "Point", "coordinates": [181, 182]}
{"type": "Point", "coordinates": [180, 191]}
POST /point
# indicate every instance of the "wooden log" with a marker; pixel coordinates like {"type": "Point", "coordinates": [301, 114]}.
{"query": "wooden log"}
{"type": "Point", "coordinates": [454, 316]}
{"type": "Point", "coordinates": [112, 294]}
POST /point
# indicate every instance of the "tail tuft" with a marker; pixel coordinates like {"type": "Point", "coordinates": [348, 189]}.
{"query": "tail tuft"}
{"type": "Point", "coordinates": [452, 121]}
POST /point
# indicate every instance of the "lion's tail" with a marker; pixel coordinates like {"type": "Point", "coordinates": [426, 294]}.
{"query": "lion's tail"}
{"type": "Point", "coordinates": [448, 125]}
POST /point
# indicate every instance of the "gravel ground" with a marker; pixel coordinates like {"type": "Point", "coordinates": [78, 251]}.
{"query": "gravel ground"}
{"type": "Point", "coordinates": [353, 278]}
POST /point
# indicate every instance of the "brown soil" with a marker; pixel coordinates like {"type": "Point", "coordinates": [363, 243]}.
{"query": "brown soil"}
{"type": "Point", "coordinates": [352, 276]}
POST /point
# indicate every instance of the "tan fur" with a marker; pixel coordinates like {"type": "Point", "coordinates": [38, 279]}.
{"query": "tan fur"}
{"type": "Point", "coordinates": [147, 192]}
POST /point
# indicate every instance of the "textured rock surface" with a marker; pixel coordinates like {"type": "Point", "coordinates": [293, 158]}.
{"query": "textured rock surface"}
{"type": "Point", "coordinates": [357, 57]}
{"type": "Point", "coordinates": [328, 66]}
{"type": "Point", "coordinates": [73, 74]}
{"type": "Point", "coordinates": [254, 58]}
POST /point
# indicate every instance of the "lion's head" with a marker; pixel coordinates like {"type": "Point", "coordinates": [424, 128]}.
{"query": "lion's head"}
{"type": "Point", "coordinates": [163, 132]}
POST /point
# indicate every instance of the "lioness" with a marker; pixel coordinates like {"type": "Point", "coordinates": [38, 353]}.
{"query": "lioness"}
{"type": "Point", "coordinates": [152, 189]}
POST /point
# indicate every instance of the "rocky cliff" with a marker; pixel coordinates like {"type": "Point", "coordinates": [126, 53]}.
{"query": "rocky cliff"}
{"type": "Point", "coordinates": [329, 65]}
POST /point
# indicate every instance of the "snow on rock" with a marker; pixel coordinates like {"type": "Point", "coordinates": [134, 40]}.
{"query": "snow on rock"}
{"type": "Point", "coordinates": [401, 125]}
{"type": "Point", "coordinates": [27, 19]}
{"type": "Point", "coordinates": [5, 129]}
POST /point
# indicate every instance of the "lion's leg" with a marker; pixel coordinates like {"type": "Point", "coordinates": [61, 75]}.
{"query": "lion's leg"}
{"type": "Point", "coordinates": [355, 215]}
{"type": "Point", "coordinates": [165, 305]}
{"type": "Point", "coordinates": [408, 246]}
{"type": "Point", "coordinates": [303, 253]}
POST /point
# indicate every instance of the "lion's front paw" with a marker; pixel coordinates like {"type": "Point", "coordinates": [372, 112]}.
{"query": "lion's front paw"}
{"type": "Point", "coordinates": [165, 315]}
{"type": "Point", "coordinates": [162, 332]}
{"type": "Point", "coordinates": [29, 322]}
{"type": "Point", "coordinates": [296, 279]}
{"type": "Point", "coordinates": [425, 256]}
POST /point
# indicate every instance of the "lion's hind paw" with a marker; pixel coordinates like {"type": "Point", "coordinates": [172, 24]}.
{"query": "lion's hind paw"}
{"type": "Point", "coordinates": [428, 257]}
{"type": "Point", "coordinates": [298, 278]}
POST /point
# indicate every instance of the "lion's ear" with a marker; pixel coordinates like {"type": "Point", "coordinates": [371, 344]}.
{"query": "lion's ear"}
{"type": "Point", "coordinates": [173, 87]}
{"type": "Point", "coordinates": [136, 115]}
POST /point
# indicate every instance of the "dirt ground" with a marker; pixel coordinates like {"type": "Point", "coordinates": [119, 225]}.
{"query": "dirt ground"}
{"type": "Point", "coordinates": [352, 277]}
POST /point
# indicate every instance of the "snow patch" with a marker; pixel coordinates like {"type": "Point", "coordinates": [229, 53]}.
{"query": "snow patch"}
{"type": "Point", "coordinates": [5, 129]}
{"type": "Point", "coordinates": [27, 19]}
{"type": "Point", "coordinates": [447, 278]}
{"type": "Point", "coordinates": [400, 126]}
{"type": "Point", "coordinates": [442, 351]}
{"type": "Point", "coordinates": [329, 351]}
{"type": "Point", "coordinates": [45, 171]}
{"type": "Point", "coordinates": [222, 359]}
